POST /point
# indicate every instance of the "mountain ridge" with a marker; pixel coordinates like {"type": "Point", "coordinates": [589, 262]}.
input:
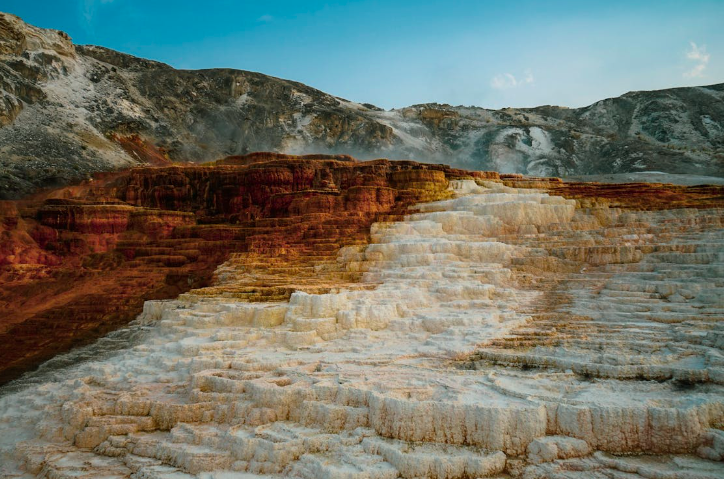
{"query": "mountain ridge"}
{"type": "Point", "coordinates": [68, 111]}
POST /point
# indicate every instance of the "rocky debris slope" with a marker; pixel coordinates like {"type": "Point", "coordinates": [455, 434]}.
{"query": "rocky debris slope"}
{"type": "Point", "coordinates": [67, 111]}
{"type": "Point", "coordinates": [499, 332]}
{"type": "Point", "coordinates": [80, 261]}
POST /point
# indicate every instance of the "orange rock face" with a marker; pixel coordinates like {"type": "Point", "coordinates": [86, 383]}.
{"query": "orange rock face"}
{"type": "Point", "coordinates": [78, 262]}
{"type": "Point", "coordinates": [640, 196]}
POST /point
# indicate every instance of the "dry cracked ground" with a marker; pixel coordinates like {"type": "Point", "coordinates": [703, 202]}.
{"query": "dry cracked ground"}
{"type": "Point", "coordinates": [503, 332]}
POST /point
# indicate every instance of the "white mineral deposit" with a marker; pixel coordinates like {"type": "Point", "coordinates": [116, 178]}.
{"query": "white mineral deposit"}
{"type": "Point", "coordinates": [501, 333]}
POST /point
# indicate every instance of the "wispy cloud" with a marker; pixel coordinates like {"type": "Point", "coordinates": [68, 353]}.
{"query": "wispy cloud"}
{"type": "Point", "coordinates": [88, 11]}
{"type": "Point", "coordinates": [504, 81]}
{"type": "Point", "coordinates": [699, 55]}
{"type": "Point", "coordinates": [265, 19]}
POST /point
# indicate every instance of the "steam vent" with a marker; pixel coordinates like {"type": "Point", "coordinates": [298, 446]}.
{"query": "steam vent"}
{"type": "Point", "coordinates": [320, 317]}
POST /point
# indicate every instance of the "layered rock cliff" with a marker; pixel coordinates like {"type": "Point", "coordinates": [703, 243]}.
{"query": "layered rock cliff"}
{"type": "Point", "coordinates": [504, 327]}
{"type": "Point", "coordinates": [68, 111]}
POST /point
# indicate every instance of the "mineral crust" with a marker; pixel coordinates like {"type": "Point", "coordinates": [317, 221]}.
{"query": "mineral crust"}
{"type": "Point", "coordinates": [497, 331]}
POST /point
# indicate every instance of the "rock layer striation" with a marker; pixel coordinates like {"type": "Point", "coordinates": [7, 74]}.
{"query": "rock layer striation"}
{"type": "Point", "coordinates": [497, 332]}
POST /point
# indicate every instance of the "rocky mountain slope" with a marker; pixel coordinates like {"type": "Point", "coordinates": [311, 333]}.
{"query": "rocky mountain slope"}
{"type": "Point", "coordinates": [67, 111]}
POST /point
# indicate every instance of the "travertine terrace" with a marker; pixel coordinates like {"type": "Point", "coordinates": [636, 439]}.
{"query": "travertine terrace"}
{"type": "Point", "coordinates": [499, 332]}
{"type": "Point", "coordinates": [78, 262]}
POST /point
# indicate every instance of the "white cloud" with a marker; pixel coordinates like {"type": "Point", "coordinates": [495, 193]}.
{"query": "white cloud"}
{"type": "Point", "coordinates": [503, 81]}
{"type": "Point", "coordinates": [265, 19]}
{"type": "Point", "coordinates": [701, 57]}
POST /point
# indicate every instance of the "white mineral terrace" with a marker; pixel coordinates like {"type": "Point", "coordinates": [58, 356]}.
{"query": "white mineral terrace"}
{"type": "Point", "coordinates": [503, 333]}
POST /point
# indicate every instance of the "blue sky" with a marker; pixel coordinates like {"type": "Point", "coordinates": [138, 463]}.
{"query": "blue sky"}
{"type": "Point", "coordinates": [397, 53]}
